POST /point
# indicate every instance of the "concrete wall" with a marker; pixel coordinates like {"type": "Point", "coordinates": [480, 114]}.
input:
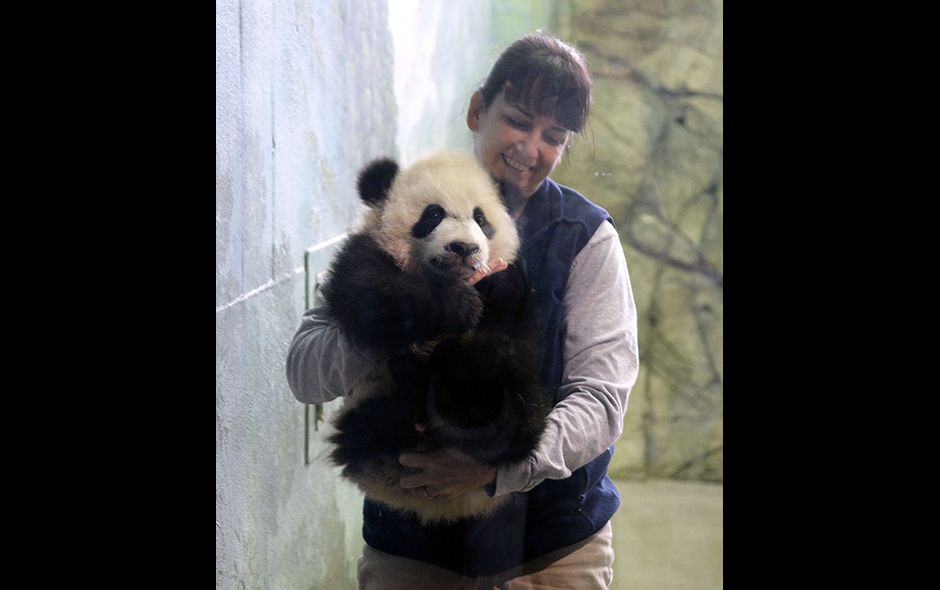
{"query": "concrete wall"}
{"type": "Point", "coordinates": [306, 93]}
{"type": "Point", "coordinates": [303, 93]}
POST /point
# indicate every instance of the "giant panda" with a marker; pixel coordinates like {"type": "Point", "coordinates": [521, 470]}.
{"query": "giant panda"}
{"type": "Point", "coordinates": [462, 363]}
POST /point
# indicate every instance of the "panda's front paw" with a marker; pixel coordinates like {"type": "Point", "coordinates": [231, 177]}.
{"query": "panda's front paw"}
{"type": "Point", "coordinates": [462, 312]}
{"type": "Point", "coordinates": [506, 288]}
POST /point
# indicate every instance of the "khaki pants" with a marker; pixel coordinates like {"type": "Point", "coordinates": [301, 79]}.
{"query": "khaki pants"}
{"type": "Point", "coordinates": [585, 565]}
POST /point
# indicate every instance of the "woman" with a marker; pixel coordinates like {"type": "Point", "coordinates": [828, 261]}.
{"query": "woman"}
{"type": "Point", "coordinates": [557, 531]}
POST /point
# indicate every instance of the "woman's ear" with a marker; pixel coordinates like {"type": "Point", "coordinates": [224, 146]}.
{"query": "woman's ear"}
{"type": "Point", "coordinates": [475, 110]}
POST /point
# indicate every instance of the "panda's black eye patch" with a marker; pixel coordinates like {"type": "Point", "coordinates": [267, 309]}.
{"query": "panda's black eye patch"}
{"type": "Point", "coordinates": [480, 218]}
{"type": "Point", "coordinates": [432, 216]}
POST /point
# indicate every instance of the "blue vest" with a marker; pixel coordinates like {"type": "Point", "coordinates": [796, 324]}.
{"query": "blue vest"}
{"type": "Point", "coordinates": [556, 224]}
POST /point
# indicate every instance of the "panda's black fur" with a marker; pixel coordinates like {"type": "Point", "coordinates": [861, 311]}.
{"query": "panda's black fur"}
{"type": "Point", "coordinates": [463, 362]}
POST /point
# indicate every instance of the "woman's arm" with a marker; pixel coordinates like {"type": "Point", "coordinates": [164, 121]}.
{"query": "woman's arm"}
{"type": "Point", "coordinates": [601, 365]}
{"type": "Point", "coordinates": [322, 364]}
{"type": "Point", "coordinates": [383, 307]}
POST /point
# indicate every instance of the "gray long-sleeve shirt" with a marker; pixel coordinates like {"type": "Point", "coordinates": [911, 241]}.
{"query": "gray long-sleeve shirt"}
{"type": "Point", "coordinates": [601, 361]}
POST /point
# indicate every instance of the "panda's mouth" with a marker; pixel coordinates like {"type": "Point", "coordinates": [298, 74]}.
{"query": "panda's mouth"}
{"type": "Point", "coordinates": [459, 258]}
{"type": "Point", "coordinates": [457, 266]}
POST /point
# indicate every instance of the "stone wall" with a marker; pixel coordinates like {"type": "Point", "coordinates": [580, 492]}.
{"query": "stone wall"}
{"type": "Point", "coordinates": [653, 157]}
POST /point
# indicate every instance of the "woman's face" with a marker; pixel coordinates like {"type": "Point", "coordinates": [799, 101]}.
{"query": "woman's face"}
{"type": "Point", "coordinates": [513, 143]}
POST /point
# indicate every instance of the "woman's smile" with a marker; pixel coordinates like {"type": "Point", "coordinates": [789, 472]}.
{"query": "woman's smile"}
{"type": "Point", "coordinates": [515, 144]}
{"type": "Point", "coordinates": [515, 164]}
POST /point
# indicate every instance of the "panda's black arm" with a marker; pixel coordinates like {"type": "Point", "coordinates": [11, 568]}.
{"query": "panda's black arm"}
{"type": "Point", "coordinates": [377, 304]}
{"type": "Point", "coordinates": [474, 378]}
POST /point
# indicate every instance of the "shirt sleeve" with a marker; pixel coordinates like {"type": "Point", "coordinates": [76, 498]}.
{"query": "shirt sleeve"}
{"type": "Point", "coordinates": [322, 364]}
{"type": "Point", "coordinates": [601, 362]}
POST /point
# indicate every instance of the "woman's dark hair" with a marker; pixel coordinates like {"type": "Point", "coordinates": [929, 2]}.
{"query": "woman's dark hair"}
{"type": "Point", "coordinates": [545, 74]}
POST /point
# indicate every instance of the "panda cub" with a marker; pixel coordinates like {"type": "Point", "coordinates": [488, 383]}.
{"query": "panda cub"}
{"type": "Point", "coordinates": [463, 363]}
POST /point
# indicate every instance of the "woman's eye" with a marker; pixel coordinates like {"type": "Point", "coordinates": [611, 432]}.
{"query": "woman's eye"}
{"type": "Point", "coordinates": [517, 123]}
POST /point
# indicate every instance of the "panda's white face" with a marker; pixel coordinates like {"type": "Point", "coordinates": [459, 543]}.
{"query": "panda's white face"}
{"type": "Point", "coordinates": [452, 241]}
{"type": "Point", "coordinates": [445, 213]}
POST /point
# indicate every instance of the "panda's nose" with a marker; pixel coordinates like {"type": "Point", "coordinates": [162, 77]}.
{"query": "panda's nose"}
{"type": "Point", "coordinates": [462, 249]}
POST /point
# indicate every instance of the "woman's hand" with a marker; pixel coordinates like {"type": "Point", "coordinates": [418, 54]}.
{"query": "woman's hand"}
{"type": "Point", "coordinates": [443, 475]}
{"type": "Point", "coordinates": [489, 268]}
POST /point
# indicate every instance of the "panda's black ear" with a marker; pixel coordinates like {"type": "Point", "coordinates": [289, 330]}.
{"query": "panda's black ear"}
{"type": "Point", "coordinates": [375, 180]}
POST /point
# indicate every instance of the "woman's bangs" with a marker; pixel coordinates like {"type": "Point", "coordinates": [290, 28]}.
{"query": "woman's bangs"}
{"type": "Point", "coordinates": [556, 94]}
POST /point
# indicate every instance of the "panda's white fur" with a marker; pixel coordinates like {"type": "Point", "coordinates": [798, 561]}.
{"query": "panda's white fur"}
{"type": "Point", "coordinates": [457, 183]}
{"type": "Point", "coordinates": [474, 227]}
